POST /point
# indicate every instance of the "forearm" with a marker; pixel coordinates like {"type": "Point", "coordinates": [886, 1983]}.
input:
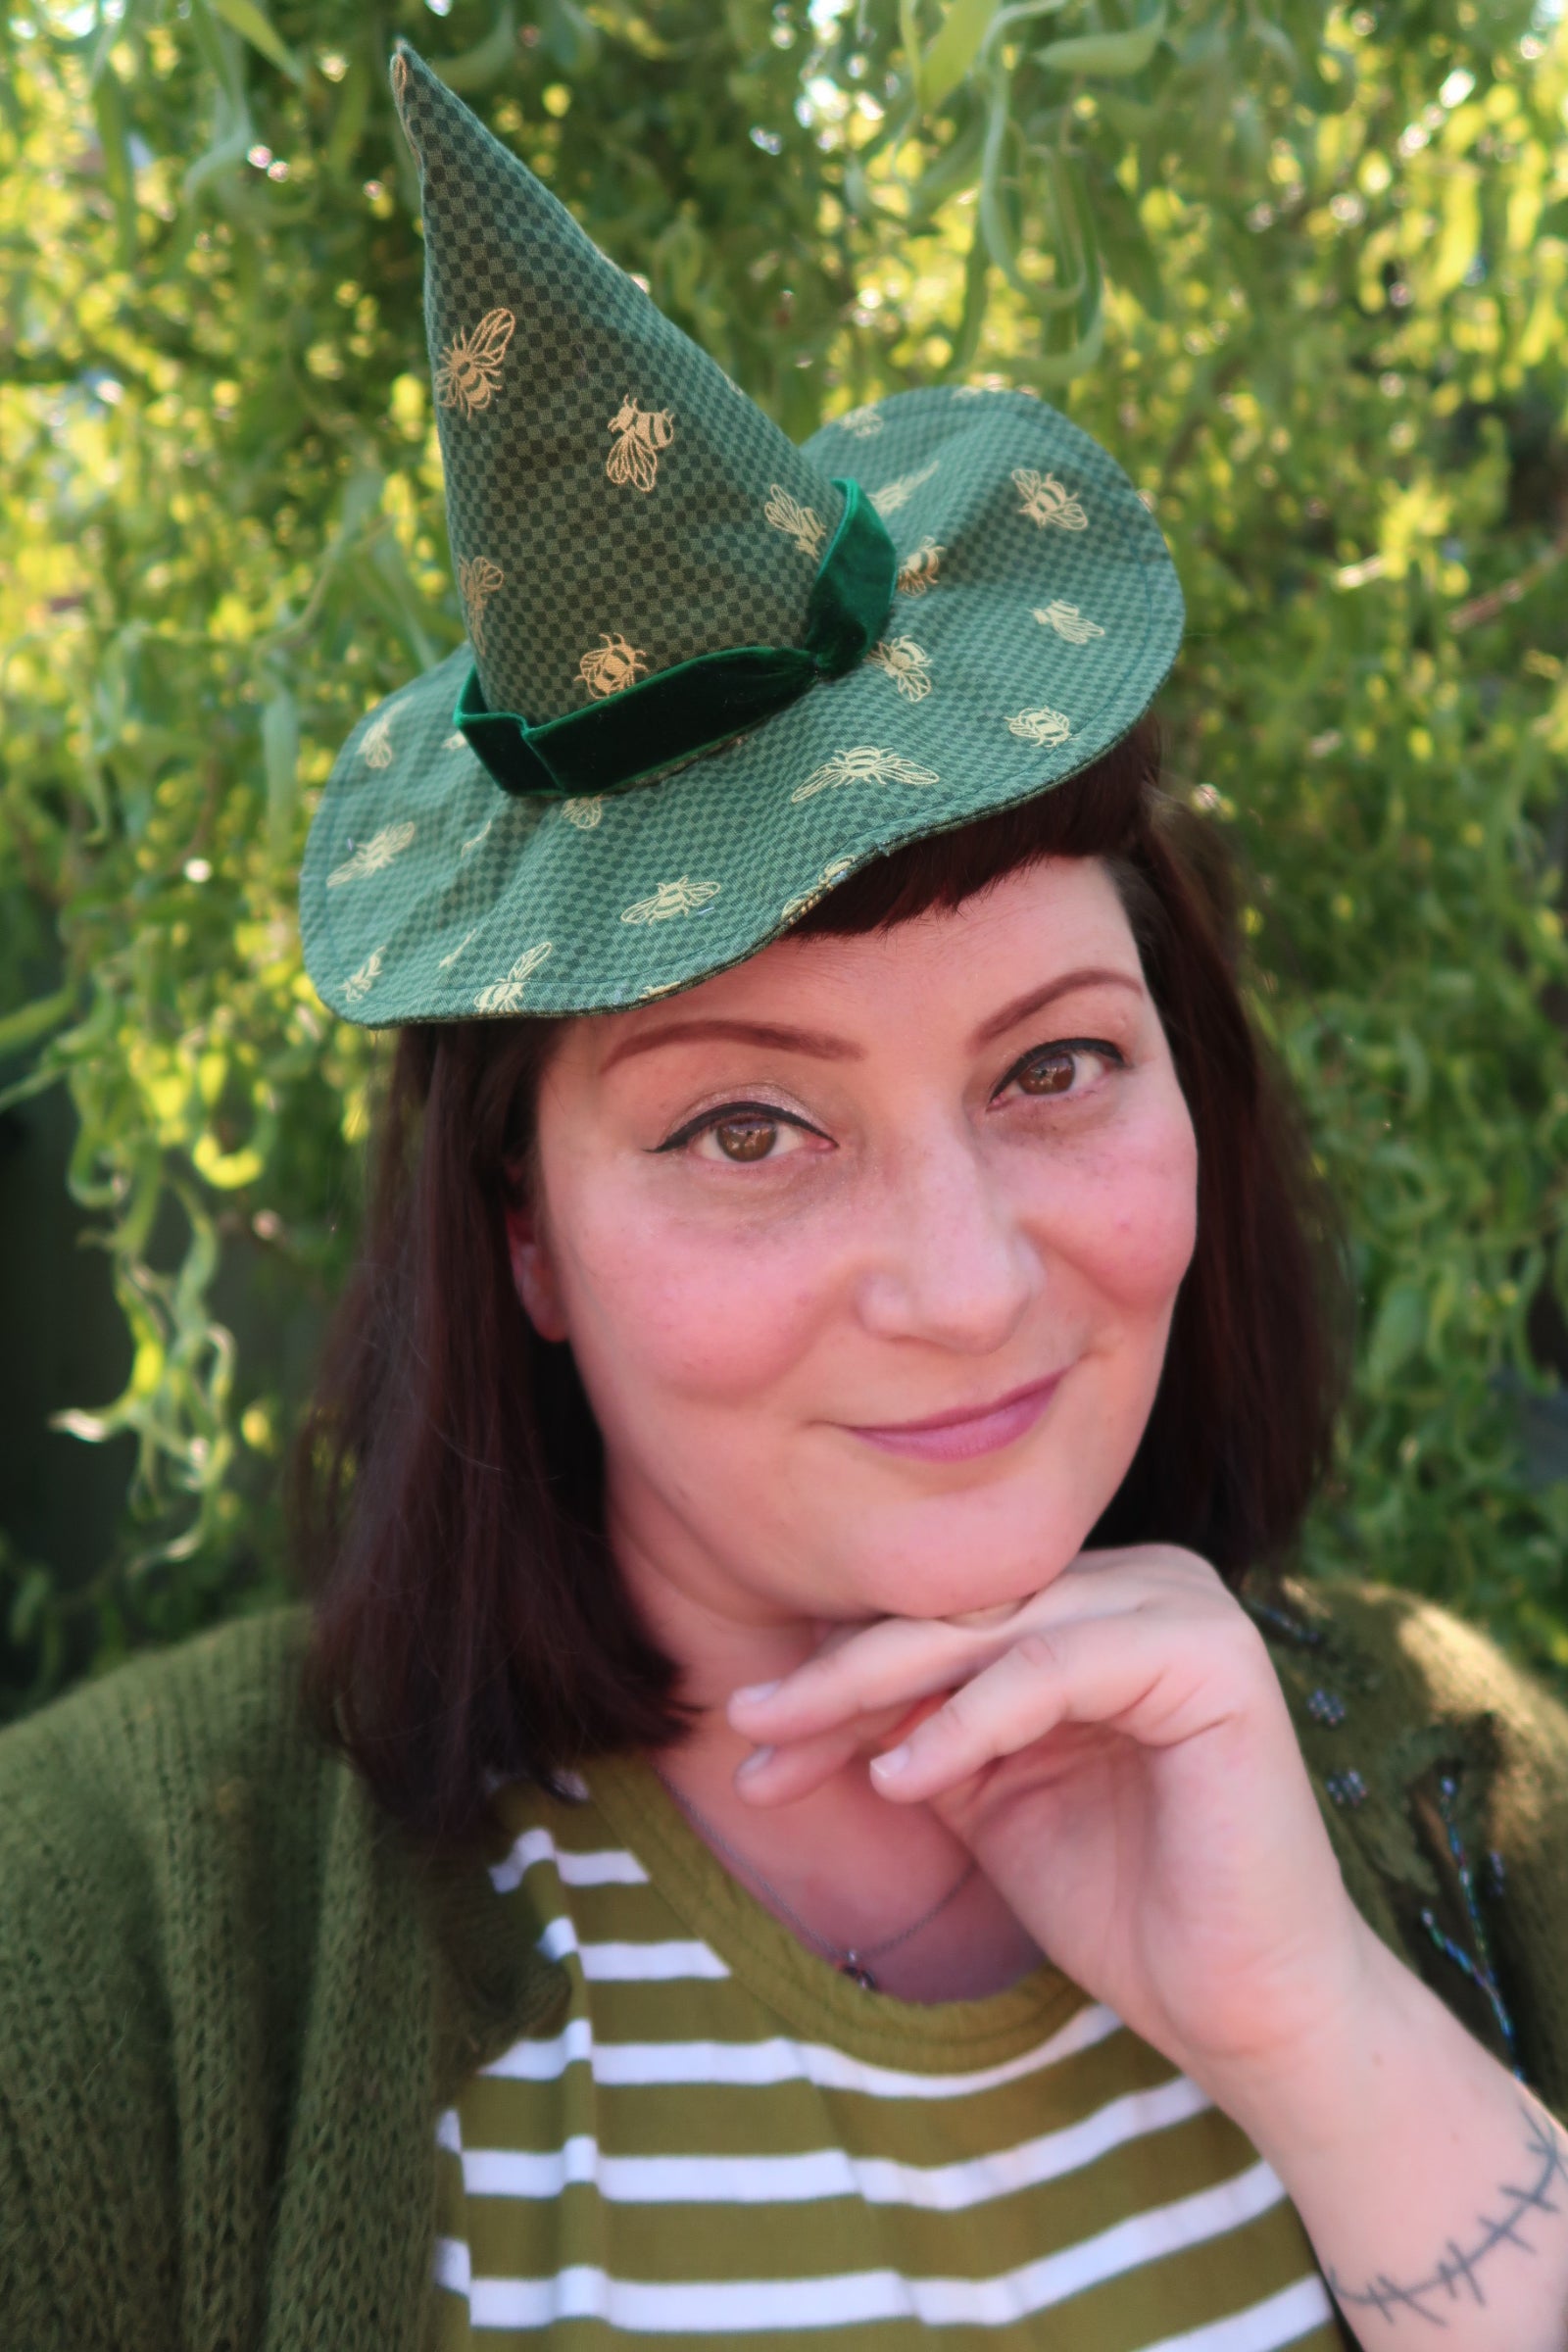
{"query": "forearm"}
{"type": "Point", "coordinates": [1433, 2184]}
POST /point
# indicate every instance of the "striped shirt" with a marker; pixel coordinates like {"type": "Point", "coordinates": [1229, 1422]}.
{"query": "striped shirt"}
{"type": "Point", "coordinates": [728, 2141]}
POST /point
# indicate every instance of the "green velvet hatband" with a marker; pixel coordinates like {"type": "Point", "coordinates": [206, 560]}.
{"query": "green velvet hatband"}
{"type": "Point", "coordinates": [709, 673]}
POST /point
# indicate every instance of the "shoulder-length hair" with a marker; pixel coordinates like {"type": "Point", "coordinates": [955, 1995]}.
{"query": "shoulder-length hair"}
{"type": "Point", "coordinates": [468, 1625]}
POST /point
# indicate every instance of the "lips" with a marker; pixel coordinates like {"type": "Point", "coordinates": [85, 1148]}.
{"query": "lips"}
{"type": "Point", "coordinates": [962, 1435]}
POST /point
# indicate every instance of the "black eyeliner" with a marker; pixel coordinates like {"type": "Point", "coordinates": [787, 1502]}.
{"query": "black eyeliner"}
{"type": "Point", "coordinates": [730, 1110]}
{"type": "Point", "coordinates": [1062, 1045]}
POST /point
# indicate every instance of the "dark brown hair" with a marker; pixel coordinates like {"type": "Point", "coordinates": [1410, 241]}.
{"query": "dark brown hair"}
{"type": "Point", "coordinates": [444, 1489]}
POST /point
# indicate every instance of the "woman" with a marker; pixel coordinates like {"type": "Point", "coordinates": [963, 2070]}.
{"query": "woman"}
{"type": "Point", "coordinates": [818, 1832]}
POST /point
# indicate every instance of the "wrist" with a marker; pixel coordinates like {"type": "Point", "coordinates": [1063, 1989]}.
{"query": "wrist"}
{"type": "Point", "coordinates": [1309, 2097]}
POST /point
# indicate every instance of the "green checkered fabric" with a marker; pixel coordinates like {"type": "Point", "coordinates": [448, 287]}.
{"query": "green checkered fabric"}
{"type": "Point", "coordinates": [607, 484]}
{"type": "Point", "coordinates": [1036, 615]}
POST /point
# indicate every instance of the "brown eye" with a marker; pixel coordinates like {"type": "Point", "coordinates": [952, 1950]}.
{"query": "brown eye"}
{"type": "Point", "coordinates": [1049, 1073]}
{"type": "Point", "coordinates": [746, 1139]}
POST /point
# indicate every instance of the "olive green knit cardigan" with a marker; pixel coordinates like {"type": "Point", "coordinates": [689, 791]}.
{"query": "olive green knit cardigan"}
{"type": "Point", "coordinates": [232, 2004]}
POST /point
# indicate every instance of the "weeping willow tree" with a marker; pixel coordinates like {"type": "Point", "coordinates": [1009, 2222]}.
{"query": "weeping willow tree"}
{"type": "Point", "coordinates": [1302, 269]}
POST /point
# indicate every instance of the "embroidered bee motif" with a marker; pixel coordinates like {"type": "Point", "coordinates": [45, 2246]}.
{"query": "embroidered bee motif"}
{"type": "Point", "coordinates": [470, 365]}
{"type": "Point", "coordinates": [1044, 501]}
{"type": "Point", "coordinates": [671, 899]}
{"type": "Point", "coordinates": [478, 581]}
{"type": "Point", "coordinates": [640, 434]}
{"type": "Point", "coordinates": [377, 748]}
{"type": "Point", "coordinates": [864, 764]}
{"type": "Point", "coordinates": [906, 663]}
{"type": "Point", "coordinates": [800, 523]}
{"type": "Point", "coordinates": [919, 571]}
{"type": "Point", "coordinates": [987, 384]}
{"type": "Point", "coordinates": [447, 962]}
{"type": "Point", "coordinates": [656, 988]}
{"type": "Point", "coordinates": [1068, 621]}
{"type": "Point", "coordinates": [584, 811]}
{"type": "Point", "coordinates": [611, 667]}
{"type": "Point", "coordinates": [505, 996]}
{"type": "Point", "coordinates": [456, 741]}
{"type": "Point", "coordinates": [834, 872]}
{"type": "Point", "coordinates": [864, 422]}
{"type": "Point", "coordinates": [359, 984]}
{"type": "Point", "coordinates": [1042, 727]}
{"type": "Point", "coordinates": [896, 494]}
{"type": "Point", "coordinates": [475, 838]}
{"type": "Point", "coordinates": [372, 855]}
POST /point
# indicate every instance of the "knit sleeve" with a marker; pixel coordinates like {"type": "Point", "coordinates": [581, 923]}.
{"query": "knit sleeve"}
{"type": "Point", "coordinates": [1463, 1756]}
{"type": "Point", "coordinates": [88, 2256]}
{"type": "Point", "coordinates": [1527, 1823]}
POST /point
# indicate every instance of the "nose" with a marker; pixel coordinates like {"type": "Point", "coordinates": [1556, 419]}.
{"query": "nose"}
{"type": "Point", "coordinates": [954, 1263]}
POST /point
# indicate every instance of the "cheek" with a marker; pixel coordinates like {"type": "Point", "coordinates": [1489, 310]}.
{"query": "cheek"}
{"type": "Point", "coordinates": [1132, 1223]}
{"type": "Point", "coordinates": [656, 1303]}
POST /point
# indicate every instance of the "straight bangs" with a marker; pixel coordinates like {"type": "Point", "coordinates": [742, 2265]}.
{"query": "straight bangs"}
{"type": "Point", "coordinates": [444, 1485]}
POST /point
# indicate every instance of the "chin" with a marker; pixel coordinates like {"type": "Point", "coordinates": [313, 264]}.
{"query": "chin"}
{"type": "Point", "coordinates": [946, 1570]}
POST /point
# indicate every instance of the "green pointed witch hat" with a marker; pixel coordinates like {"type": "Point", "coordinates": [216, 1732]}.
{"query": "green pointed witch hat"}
{"type": "Point", "coordinates": [709, 673]}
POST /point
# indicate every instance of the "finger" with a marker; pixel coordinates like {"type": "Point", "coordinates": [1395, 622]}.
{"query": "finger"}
{"type": "Point", "coordinates": [1134, 1674]}
{"type": "Point", "coordinates": [890, 1664]}
{"type": "Point", "coordinates": [777, 1776]}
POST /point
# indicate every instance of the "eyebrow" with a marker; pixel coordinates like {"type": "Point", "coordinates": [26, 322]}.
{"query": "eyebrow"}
{"type": "Point", "coordinates": [819, 1045]}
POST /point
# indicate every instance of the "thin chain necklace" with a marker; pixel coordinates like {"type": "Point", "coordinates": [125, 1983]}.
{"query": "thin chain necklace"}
{"type": "Point", "coordinates": [850, 1962]}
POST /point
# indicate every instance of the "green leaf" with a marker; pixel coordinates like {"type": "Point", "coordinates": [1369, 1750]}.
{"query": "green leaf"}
{"type": "Point", "coordinates": [1112, 54]}
{"type": "Point", "coordinates": [252, 26]}
{"type": "Point", "coordinates": [953, 49]}
{"type": "Point", "coordinates": [280, 752]}
{"type": "Point", "coordinates": [29, 1022]}
{"type": "Point", "coordinates": [1399, 1329]}
{"type": "Point", "coordinates": [477, 68]}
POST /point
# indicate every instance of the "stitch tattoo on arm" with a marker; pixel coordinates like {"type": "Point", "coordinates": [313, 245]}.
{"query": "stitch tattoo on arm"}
{"type": "Point", "coordinates": [1454, 2273]}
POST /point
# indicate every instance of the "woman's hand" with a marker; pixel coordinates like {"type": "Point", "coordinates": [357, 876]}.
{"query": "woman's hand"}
{"type": "Point", "coordinates": [1117, 1754]}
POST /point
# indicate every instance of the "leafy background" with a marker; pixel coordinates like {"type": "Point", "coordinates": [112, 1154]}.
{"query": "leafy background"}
{"type": "Point", "coordinates": [1302, 269]}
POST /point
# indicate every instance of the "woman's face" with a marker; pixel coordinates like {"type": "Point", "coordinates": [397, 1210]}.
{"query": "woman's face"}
{"type": "Point", "coordinates": [867, 1252]}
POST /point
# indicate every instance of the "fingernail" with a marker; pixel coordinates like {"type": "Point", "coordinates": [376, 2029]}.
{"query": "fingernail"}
{"type": "Point", "coordinates": [894, 1761]}
{"type": "Point", "coordinates": [754, 1762]}
{"type": "Point", "coordinates": [758, 1690]}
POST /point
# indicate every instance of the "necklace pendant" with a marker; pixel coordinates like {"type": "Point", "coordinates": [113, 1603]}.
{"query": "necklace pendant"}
{"type": "Point", "coordinates": [856, 1972]}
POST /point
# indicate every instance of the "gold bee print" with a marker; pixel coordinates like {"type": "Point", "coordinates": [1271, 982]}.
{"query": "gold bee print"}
{"type": "Point", "coordinates": [470, 365]}
{"type": "Point", "coordinates": [478, 581]}
{"type": "Point", "coordinates": [584, 810]}
{"type": "Point", "coordinates": [906, 663]}
{"type": "Point", "coordinates": [656, 988]}
{"type": "Point", "coordinates": [896, 494]}
{"type": "Point", "coordinates": [475, 840]}
{"type": "Point", "coordinates": [1044, 501]}
{"type": "Point", "coordinates": [834, 872]}
{"type": "Point", "coordinates": [864, 764]}
{"type": "Point", "coordinates": [377, 748]}
{"type": "Point", "coordinates": [864, 422]}
{"type": "Point", "coordinates": [640, 434]}
{"type": "Point", "coordinates": [611, 667]}
{"type": "Point", "coordinates": [456, 741]}
{"type": "Point", "coordinates": [920, 570]}
{"type": "Point", "coordinates": [800, 523]}
{"type": "Point", "coordinates": [978, 391]}
{"type": "Point", "coordinates": [505, 996]}
{"type": "Point", "coordinates": [446, 961]}
{"type": "Point", "coordinates": [671, 899]}
{"type": "Point", "coordinates": [359, 984]}
{"type": "Point", "coordinates": [1042, 726]}
{"type": "Point", "coordinates": [370, 857]}
{"type": "Point", "coordinates": [1068, 621]}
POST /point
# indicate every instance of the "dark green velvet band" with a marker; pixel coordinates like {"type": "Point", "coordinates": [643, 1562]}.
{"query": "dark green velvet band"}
{"type": "Point", "coordinates": [702, 703]}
